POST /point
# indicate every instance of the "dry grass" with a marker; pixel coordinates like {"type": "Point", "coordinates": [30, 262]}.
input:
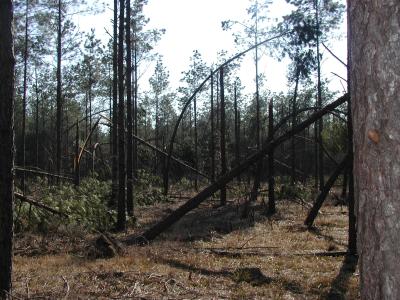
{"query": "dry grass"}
{"type": "Point", "coordinates": [207, 255]}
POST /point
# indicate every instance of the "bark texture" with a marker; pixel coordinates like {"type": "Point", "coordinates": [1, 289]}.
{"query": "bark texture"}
{"type": "Point", "coordinates": [7, 63]}
{"type": "Point", "coordinates": [374, 40]}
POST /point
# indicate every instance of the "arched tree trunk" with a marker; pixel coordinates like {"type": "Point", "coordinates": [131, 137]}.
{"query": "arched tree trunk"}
{"type": "Point", "coordinates": [7, 63]}
{"type": "Point", "coordinates": [374, 42]}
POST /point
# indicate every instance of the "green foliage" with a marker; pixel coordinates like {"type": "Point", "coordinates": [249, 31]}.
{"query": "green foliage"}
{"type": "Point", "coordinates": [86, 207]}
{"type": "Point", "coordinates": [147, 189]}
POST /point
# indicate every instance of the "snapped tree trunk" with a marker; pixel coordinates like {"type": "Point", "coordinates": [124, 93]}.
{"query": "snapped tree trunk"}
{"type": "Point", "coordinates": [7, 63]}
{"type": "Point", "coordinates": [374, 43]}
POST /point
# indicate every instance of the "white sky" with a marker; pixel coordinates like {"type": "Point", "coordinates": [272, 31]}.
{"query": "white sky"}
{"type": "Point", "coordinates": [196, 24]}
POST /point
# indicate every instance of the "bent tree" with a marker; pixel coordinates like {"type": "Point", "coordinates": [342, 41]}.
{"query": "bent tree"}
{"type": "Point", "coordinates": [374, 41]}
{"type": "Point", "coordinates": [7, 63]}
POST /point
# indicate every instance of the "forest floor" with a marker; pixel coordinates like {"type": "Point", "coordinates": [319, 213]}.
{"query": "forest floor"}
{"type": "Point", "coordinates": [211, 253]}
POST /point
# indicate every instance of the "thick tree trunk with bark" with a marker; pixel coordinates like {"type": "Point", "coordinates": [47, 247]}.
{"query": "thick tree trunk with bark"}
{"type": "Point", "coordinates": [374, 40]}
{"type": "Point", "coordinates": [7, 63]}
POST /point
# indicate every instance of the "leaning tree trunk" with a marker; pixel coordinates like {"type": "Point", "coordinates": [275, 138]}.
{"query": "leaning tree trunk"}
{"type": "Point", "coordinates": [374, 42]}
{"type": "Point", "coordinates": [7, 63]}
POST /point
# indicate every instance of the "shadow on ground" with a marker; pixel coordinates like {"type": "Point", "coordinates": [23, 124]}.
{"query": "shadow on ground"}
{"type": "Point", "coordinates": [253, 276]}
{"type": "Point", "coordinates": [339, 285]}
{"type": "Point", "coordinates": [209, 221]}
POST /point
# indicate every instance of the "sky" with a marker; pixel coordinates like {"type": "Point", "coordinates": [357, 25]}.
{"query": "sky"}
{"type": "Point", "coordinates": [196, 25]}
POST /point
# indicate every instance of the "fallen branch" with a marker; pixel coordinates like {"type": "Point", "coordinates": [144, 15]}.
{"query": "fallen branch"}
{"type": "Point", "coordinates": [194, 202]}
{"type": "Point", "coordinates": [37, 204]}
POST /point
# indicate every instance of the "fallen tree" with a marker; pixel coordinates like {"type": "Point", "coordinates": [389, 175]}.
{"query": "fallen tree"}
{"type": "Point", "coordinates": [37, 204]}
{"type": "Point", "coordinates": [194, 202]}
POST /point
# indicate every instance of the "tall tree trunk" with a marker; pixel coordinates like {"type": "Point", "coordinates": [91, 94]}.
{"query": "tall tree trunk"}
{"type": "Point", "coordinates": [196, 154]}
{"type": "Point", "coordinates": [90, 119]}
{"type": "Point", "coordinates": [121, 215]}
{"type": "Point", "coordinates": [24, 96]}
{"type": "Point", "coordinates": [223, 150]}
{"type": "Point", "coordinates": [129, 117]}
{"type": "Point", "coordinates": [271, 169]}
{"type": "Point", "coordinates": [135, 103]}
{"type": "Point", "coordinates": [7, 63]}
{"type": "Point", "coordinates": [157, 135]}
{"type": "Point", "coordinates": [374, 42]}
{"type": "Point", "coordinates": [114, 129]}
{"type": "Point", "coordinates": [77, 166]}
{"type": "Point", "coordinates": [319, 103]}
{"type": "Point", "coordinates": [59, 96]}
{"type": "Point", "coordinates": [258, 130]}
{"type": "Point", "coordinates": [36, 122]}
{"type": "Point", "coordinates": [293, 148]}
{"type": "Point", "coordinates": [212, 140]}
{"type": "Point", "coordinates": [237, 129]}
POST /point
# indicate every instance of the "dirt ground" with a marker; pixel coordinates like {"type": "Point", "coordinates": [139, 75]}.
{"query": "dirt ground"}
{"type": "Point", "coordinates": [212, 253]}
